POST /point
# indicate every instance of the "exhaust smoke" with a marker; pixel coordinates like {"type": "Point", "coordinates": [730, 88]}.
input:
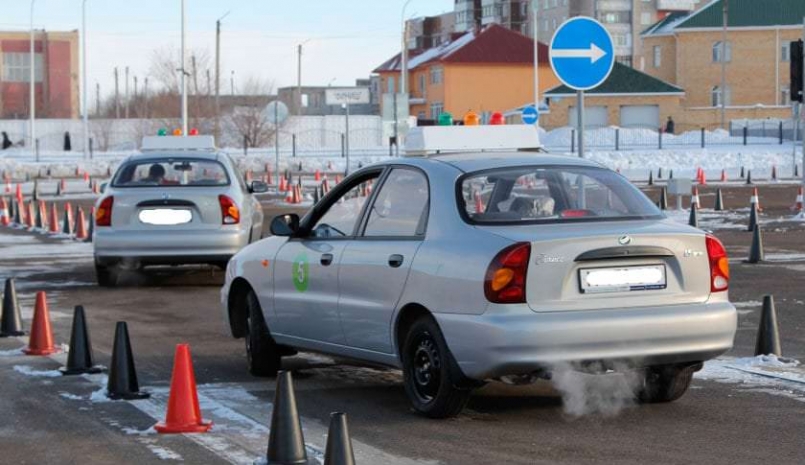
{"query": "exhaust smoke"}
{"type": "Point", "coordinates": [596, 389]}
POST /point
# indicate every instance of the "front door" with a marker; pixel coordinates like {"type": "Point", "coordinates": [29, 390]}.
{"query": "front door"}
{"type": "Point", "coordinates": [307, 268]}
{"type": "Point", "coordinates": [375, 266]}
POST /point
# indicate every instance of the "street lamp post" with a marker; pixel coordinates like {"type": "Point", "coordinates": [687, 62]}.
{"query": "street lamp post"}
{"type": "Point", "coordinates": [218, 76]}
{"type": "Point", "coordinates": [404, 71]}
{"type": "Point", "coordinates": [32, 82]}
{"type": "Point", "coordinates": [184, 76]}
{"type": "Point", "coordinates": [535, 30]}
{"type": "Point", "coordinates": [84, 89]}
{"type": "Point", "coordinates": [298, 99]}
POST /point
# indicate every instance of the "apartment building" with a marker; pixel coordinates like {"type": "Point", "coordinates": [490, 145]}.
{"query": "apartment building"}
{"type": "Point", "coordinates": [55, 74]}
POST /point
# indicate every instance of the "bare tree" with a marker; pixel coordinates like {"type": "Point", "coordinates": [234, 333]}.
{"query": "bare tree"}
{"type": "Point", "coordinates": [247, 118]}
{"type": "Point", "coordinates": [102, 131]}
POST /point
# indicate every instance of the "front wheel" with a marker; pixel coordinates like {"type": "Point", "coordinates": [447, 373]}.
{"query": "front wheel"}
{"type": "Point", "coordinates": [665, 383]}
{"type": "Point", "coordinates": [430, 383]}
{"type": "Point", "coordinates": [262, 354]}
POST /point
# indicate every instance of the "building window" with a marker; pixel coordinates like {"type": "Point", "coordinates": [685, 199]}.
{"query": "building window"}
{"type": "Point", "coordinates": [621, 40]}
{"type": "Point", "coordinates": [718, 50]}
{"type": "Point", "coordinates": [422, 84]}
{"type": "Point", "coordinates": [785, 97]}
{"type": "Point", "coordinates": [436, 109]}
{"type": "Point", "coordinates": [785, 52]}
{"type": "Point", "coordinates": [16, 67]}
{"type": "Point", "coordinates": [715, 96]}
{"type": "Point", "coordinates": [657, 56]}
{"type": "Point", "coordinates": [390, 87]}
{"type": "Point", "coordinates": [645, 18]}
{"type": "Point", "coordinates": [436, 75]}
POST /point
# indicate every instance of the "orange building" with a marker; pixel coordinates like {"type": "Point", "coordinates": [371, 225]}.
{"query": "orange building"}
{"type": "Point", "coordinates": [484, 71]}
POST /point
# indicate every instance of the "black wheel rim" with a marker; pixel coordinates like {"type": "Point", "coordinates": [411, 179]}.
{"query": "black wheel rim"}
{"type": "Point", "coordinates": [425, 370]}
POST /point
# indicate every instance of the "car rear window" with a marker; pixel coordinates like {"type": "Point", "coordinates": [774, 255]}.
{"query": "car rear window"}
{"type": "Point", "coordinates": [167, 172]}
{"type": "Point", "coordinates": [551, 194]}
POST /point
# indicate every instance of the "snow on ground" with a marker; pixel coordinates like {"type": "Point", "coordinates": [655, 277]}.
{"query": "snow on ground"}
{"type": "Point", "coordinates": [28, 371]}
{"type": "Point", "coordinates": [765, 373]}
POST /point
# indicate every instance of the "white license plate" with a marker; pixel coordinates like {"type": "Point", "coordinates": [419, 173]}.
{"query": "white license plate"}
{"type": "Point", "coordinates": [166, 216]}
{"type": "Point", "coordinates": [622, 279]}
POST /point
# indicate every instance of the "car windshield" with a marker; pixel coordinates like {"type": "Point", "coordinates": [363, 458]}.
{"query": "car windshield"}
{"type": "Point", "coordinates": [551, 194]}
{"type": "Point", "coordinates": [167, 172]}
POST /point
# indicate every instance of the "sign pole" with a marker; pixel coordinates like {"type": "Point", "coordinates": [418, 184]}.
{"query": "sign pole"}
{"type": "Point", "coordinates": [277, 142]}
{"type": "Point", "coordinates": [580, 121]}
{"type": "Point", "coordinates": [535, 24]}
{"type": "Point", "coordinates": [346, 142]}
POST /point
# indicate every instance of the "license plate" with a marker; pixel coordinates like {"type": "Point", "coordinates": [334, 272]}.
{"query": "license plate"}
{"type": "Point", "coordinates": [622, 279]}
{"type": "Point", "coordinates": [165, 216]}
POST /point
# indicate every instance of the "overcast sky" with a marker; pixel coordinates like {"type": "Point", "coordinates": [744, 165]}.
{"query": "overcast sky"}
{"type": "Point", "coordinates": [348, 38]}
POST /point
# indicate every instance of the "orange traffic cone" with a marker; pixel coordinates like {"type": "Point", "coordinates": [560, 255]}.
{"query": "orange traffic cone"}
{"type": "Point", "coordinates": [297, 194]}
{"type": "Point", "coordinates": [63, 184]}
{"type": "Point", "coordinates": [4, 216]}
{"type": "Point", "coordinates": [77, 172]}
{"type": "Point", "coordinates": [723, 175]}
{"type": "Point", "coordinates": [30, 215]}
{"type": "Point", "coordinates": [86, 176]}
{"type": "Point", "coordinates": [695, 198]}
{"type": "Point", "coordinates": [184, 413]}
{"type": "Point", "coordinates": [798, 204]}
{"type": "Point", "coordinates": [703, 178]}
{"type": "Point", "coordinates": [8, 186]}
{"type": "Point", "coordinates": [755, 199]}
{"type": "Point", "coordinates": [317, 175]}
{"type": "Point", "coordinates": [18, 194]}
{"type": "Point", "coordinates": [479, 204]}
{"type": "Point", "coordinates": [53, 224]}
{"type": "Point", "coordinates": [42, 216]}
{"type": "Point", "coordinates": [338, 179]}
{"type": "Point", "coordinates": [41, 340]}
{"type": "Point", "coordinates": [80, 228]}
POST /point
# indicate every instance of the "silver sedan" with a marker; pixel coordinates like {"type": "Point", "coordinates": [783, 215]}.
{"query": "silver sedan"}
{"type": "Point", "coordinates": [171, 208]}
{"type": "Point", "coordinates": [459, 269]}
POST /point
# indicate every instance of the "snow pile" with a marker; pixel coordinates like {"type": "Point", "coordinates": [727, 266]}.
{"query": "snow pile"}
{"type": "Point", "coordinates": [28, 371]}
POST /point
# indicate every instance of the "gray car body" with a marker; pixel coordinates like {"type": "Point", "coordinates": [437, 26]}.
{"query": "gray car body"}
{"type": "Point", "coordinates": [204, 240]}
{"type": "Point", "coordinates": [445, 277]}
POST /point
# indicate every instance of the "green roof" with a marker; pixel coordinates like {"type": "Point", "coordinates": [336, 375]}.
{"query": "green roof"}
{"type": "Point", "coordinates": [747, 13]}
{"type": "Point", "coordinates": [669, 19]}
{"type": "Point", "coordinates": [624, 80]}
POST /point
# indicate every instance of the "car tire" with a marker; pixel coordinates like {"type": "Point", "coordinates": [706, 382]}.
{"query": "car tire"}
{"type": "Point", "coordinates": [430, 374]}
{"type": "Point", "coordinates": [106, 275]}
{"type": "Point", "coordinates": [665, 383]}
{"type": "Point", "coordinates": [262, 354]}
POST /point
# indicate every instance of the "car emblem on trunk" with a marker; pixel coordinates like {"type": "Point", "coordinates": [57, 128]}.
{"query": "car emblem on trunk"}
{"type": "Point", "coordinates": [165, 196]}
{"type": "Point", "coordinates": [624, 240]}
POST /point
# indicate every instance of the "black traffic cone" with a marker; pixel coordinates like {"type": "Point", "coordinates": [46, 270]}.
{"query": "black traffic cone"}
{"type": "Point", "coordinates": [663, 198]}
{"type": "Point", "coordinates": [743, 175]}
{"type": "Point", "coordinates": [91, 229]}
{"type": "Point", "coordinates": [339, 445]}
{"type": "Point", "coordinates": [768, 337]}
{"type": "Point", "coordinates": [286, 444]}
{"type": "Point", "coordinates": [122, 375]}
{"type": "Point", "coordinates": [796, 171]}
{"type": "Point", "coordinates": [80, 359]}
{"type": "Point", "coordinates": [35, 194]}
{"type": "Point", "coordinates": [756, 252]}
{"type": "Point", "coordinates": [749, 176]}
{"type": "Point", "coordinates": [719, 201]}
{"type": "Point", "coordinates": [11, 321]}
{"type": "Point", "coordinates": [650, 178]}
{"type": "Point", "coordinates": [752, 217]}
{"type": "Point", "coordinates": [315, 196]}
{"type": "Point", "coordinates": [17, 214]}
{"type": "Point", "coordinates": [58, 189]}
{"type": "Point", "coordinates": [39, 222]}
{"type": "Point", "coordinates": [67, 227]}
{"type": "Point", "coordinates": [300, 166]}
{"type": "Point", "coordinates": [693, 219]}
{"type": "Point", "coordinates": [671, 174]}
{"type": "Point", "coordinates": [659, 173]}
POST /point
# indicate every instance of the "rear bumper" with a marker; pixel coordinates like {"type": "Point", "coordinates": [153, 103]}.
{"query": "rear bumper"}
{"type": "Point", "coordinates": [165, 247]}
{"type": "Point", "coordinates": [516, 340]}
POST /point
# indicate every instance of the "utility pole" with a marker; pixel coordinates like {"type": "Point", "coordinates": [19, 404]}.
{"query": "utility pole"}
{"type": "Point", "coordinates": [136, 105]}
{"type": "Point", "coordinates": [145, 97]}
{"type": "Point", "coordinates": [725, 14]}
{"type": "Point", "coordinates": [32, 83]}
{"type": "Point", "coordinates": [97, 99]}
{"type": "Point", "coordinates": [184, 76]}
{"type": "Point", "coordinates": [195, 75]}
{"type": "Point", "coordinates": [126, 97]}
{"type": "Point", "coordinates": [298, 98]}
{"type": "Point", "coordinates": [117, 95]}
{"type": "Point", "coordinates": [84, 88]}
{"type": "Point", "coordinates": [218, 76]}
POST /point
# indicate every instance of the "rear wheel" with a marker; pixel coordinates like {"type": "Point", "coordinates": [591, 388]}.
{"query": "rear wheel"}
{"type": "Point", "coordinates": [666, 383]}
{"type": "Point", "coordinates": [429, 372]}
{"type": "Point", "coordinates": [106, 275]}
{"type": "Point", "coordinates": [262, 353]}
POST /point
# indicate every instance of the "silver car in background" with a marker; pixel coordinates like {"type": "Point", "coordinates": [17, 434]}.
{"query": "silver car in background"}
{"type": "Point", "coordinates": [468, 267]}
{"type": "Point", "coordinates": [178, 202]}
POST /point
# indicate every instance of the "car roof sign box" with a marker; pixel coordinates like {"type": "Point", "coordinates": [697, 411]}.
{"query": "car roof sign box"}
{"type": "Point", "coordinates": [178, 143]}
{"type": "Point", "coordinates": [438, 140]}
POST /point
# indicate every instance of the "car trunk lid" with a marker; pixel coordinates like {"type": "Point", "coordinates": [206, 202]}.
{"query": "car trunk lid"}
{"type": "Point", "coordinates": [167, 208]}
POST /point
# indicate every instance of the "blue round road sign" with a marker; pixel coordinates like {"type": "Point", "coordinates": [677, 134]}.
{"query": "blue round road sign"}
{"type": "Point", "coordinates": [582, 53]}
{"type": "Point", "coordinates": [530, 115]}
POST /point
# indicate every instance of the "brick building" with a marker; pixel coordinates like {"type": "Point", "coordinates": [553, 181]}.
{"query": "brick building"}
{"type": "Point", "coordinates": [56, 68]}
{"type": "Point", "coordinates": [686, 50]}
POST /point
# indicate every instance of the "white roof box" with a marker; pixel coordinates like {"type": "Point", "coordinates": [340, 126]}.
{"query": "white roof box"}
{"type": "Point", "coordinates": [178, 143]}
{"type": "Point", "coordinates": [432, 140]}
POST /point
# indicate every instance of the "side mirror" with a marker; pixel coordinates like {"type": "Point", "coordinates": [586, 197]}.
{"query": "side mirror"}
{"type": "Point", "coordinates": [285, 225]}
{"type": "Point", "coordinates": [103, 187]}
{"type": "Point", "coordinates": [258, 187]}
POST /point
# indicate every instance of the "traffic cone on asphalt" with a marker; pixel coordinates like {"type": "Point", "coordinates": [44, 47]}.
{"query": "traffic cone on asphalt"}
{"type": "Point", "coordinates": [67, 221]}
{"type": "Point", "coordinates": [35, 193]}
{"type": "Point", "coordinates": [749, 177]}
{"type": "Point", "coordinates": [80, 359]}
{"type": "Point", "coordinates": [5, 218]}
{"type": "Point", "coordinates": [18, 194]}
{"type": "Point", "coordinates": [694, 200]}
{"type": "Point", "coordinates": [743, 175]}
{"type": "Point", "coordinates": [671, 174]}
{"type": "Point", "coordinates": [755, 199]}
{"type": "Point", "coordinates": [40, 218]}
{"type": "Point", "coordinates": [91, 222]}
{"type": "Point", "coordinates": [723, 175]}
{"type": "Point", "coordinates": [752, 218]}
{"type": "Point", "coordinates": [796, 170]}
{"type": "Point", "coordinates": [286, 444]}
{"type": "Point", "coordinates": [651, 178]}
{"type": "Point", "coordinates": [338, 179]}
{"type": "Point", "coordinates": [773, 172]}
{"type": "Point", "coordinates": [693, 219]}
{"type": "Point", "coordinates": [30, 215]}
{"type": "Point", "coordinates": [53, 224]}
{"type": "Point", "coordinates": [663, 203]}
{"type": "Point", "coordinates": [16, 214]}
{"type": "Point", "coordinates": [703, 179]}
{"type": "Point", "coordinates": [797, 207]}
{"type": "Point", "coordinates": [8, 186]}
{"type": "Point", "coordinates": [80, 228]}
{"type": "Point", "coordinates": [719, 201]}
{"type": "Point", "coordinates": [122, 374]}
{"type": "Point", "coordinates": [11, 319]}
{"type": "Point", "coordinates": [317, 175]}
{"type": "Point", "coordinates": [768, 336]}
{"type": "Point", "coordinates": [659, 173]}
{"type": "Point", "coordinates": [756, 254]}
{"type": "Point", "coordinates": [41, 340]}
{"type": "Point", "coordinates": [339, 444]}
{"type": "Point", "coordinates": [184, 414]}
{"type": "Point", "coordinates": [86, 177]}
{"type": "Point", "coordinates": [282, 185]}
{"type": "Point", "coordinates": [316, 197]}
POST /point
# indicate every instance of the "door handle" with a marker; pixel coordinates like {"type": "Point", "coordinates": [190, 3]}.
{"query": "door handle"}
{"type": "Point", "coordinates": [396, 260]}
{"type": "Point", "coordinates": [326, 259]}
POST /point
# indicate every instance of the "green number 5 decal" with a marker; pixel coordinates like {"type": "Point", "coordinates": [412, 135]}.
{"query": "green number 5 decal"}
{"type": "Point", "coordinates": [301, 271]}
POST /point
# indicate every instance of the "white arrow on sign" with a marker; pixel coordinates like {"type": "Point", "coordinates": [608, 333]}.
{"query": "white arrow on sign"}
{"type": "Point", "coordinates": [594, 53]}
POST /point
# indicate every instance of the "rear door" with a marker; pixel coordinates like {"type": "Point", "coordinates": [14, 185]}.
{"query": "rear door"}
{"type": "Point", "coordinates": [375, 266]}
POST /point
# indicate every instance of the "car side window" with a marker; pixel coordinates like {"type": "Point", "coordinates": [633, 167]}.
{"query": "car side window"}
{"type": "Point", "coordinates": [400, 206]}
{"type": "Point", "coordinates": [344, 213]}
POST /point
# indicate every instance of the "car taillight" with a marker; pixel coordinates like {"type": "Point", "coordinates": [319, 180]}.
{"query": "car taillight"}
{"type": "Point", "coordinates": [719, 265]}
{"type": "Point", "coordinates": [103, 216]}
{"type": "Point", "coordinates": [506, 275]}
{"type": "Point", "coordinates": [230, 214]}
